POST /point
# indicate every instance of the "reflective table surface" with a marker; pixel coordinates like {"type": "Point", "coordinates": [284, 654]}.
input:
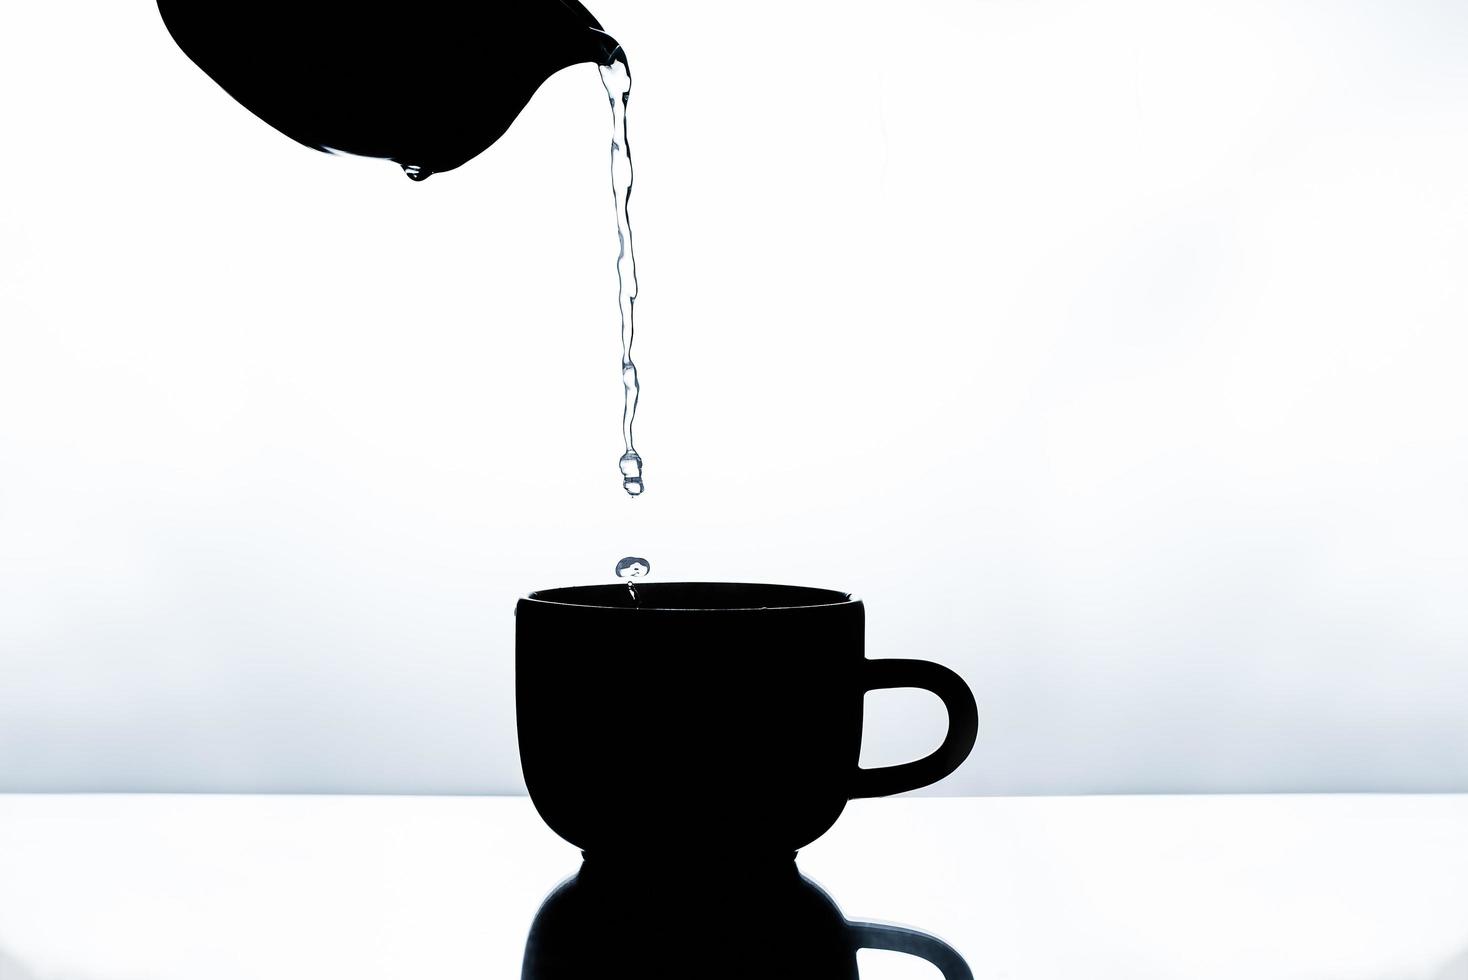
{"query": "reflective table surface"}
{"type": "Point", "coordinates": [220, 887]}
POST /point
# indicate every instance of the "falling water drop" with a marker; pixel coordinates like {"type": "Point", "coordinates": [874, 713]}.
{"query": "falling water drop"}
{"type": "Point", "coordinates": [416, 172]}
{"type": "Point", "coordinates": [630, 568]}
{"type": "Point", "coordinates": [631, 467]}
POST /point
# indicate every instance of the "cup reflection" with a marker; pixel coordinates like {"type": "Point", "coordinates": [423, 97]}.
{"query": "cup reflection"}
{"type": "Point", "coordinates": [767, 921]}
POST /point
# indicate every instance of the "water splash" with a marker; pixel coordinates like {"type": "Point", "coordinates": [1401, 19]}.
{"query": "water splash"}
{"type": "Point", "coordinates": [630, 568]}
{"type": "Point", "coordinates": [616, 78]}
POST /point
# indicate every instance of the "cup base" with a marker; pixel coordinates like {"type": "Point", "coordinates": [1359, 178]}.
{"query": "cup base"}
{"type": "Point", "coordinates": [669, 862]}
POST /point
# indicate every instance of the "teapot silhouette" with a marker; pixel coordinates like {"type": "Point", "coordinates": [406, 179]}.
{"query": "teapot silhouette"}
{"type": "Point", "coordinates": [675, 920]}
{"type": "Point", "coordinates": [429, 84]}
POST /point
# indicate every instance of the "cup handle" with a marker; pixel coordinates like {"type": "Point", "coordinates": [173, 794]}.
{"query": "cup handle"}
{"type": "Point", "coordinates": [870, 935]}
{"type": "Point", "coordinates": [963, 726]}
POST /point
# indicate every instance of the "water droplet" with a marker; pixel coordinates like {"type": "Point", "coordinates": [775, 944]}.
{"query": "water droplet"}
{"type": "Point", "coordinates": [633, 567]}
{"type": "Point", "coordinates": [416, 172]}
{"type": "Point", "coordinates": [631, 466]}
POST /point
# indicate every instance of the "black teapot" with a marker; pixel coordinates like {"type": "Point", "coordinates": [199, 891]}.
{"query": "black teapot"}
{"type": "Point", "coordinates": [428, 84]}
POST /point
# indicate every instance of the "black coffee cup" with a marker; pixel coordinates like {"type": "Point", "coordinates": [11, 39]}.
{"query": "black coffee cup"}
{"type": "Point", "coordinates": [721, 716]}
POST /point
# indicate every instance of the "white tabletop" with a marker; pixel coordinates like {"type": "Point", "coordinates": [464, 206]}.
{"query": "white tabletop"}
{"type": "Point", "coordinates": [187, 888]}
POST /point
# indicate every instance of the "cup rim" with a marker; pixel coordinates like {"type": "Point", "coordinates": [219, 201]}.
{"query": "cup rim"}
{"type": "Point", "coordinates": [836, 598]}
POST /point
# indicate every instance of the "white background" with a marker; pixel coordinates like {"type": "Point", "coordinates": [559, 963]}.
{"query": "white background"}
{"type": "Point", "coordinates": [1113, 353]}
